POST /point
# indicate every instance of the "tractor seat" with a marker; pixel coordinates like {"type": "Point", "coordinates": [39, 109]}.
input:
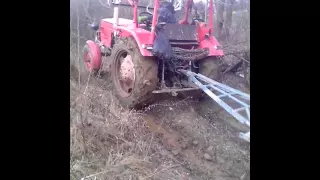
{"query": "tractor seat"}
{"type": "Point", "coordinates": [181, 34]}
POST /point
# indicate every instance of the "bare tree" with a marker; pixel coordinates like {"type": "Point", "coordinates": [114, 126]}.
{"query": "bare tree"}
{"type": "Point", "coordinates": [229, 11]}
{"type": "Point", "coordinates": [219, 21]}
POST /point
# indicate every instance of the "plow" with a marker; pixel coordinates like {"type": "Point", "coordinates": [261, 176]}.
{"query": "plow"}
{"type": "Point", "coordinates": [156, 53]}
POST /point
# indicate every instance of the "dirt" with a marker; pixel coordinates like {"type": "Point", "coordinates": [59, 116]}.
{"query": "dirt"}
{"type": "Point", "coordinates": [199, 138]}
{"type": "Point", "coordinates": [207, 148]}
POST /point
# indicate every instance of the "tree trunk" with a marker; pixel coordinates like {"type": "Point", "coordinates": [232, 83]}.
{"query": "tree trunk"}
{"type": "Point", "coordinates": [229, 11]}
{"type": "Point", "coordinates": [219, 18]}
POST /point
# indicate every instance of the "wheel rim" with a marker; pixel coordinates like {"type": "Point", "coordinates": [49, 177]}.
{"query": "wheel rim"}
{"type": "Point", "coordinates": [124, 73]}
{"type": "Point", "coordinates": [87, 59]}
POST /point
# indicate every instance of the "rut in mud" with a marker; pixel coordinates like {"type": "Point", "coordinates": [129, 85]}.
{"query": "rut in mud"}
{"type": "Point", "coordinates": [174, 138]}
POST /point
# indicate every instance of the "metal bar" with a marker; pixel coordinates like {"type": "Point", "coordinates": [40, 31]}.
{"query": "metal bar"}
{"type": "Point", "coordinates": [226, 94]}
{"type": "Point", "coordinates": [234, 98]}
{"type": "Point", "coordinates": [135, 13]}
{"type": "Point", "coordinates": [240, 109]}
{"type": "Point", "coordinates": [154, 21]}
{"type": "Point", "coordinates": [213, 86]}
{"type": "Point", "coordinates": [210, 81]}
{"type": "Point", "coordinates": [225, 91]}
{"type": "Point", "coordinates": [193, 78]}
{"type": "Point", "coordinates": [223, 95]}
{"type": "Point", "coordinates": [129, 5]}
{"type": "Point", "coordinates": [238, 116]}
{"type": "Point", "coordinates": [183, 43]}
{"type": "Point", "coordinates": [248, 113]}
{"type": "Point", "coordinates": [245, 136]}
{"type": "Point", "coordinates": [174, 90]}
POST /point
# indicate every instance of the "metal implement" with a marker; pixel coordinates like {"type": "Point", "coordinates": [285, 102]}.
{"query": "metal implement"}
{"type": "Point", "coordinates": [217, 91]}
{"type": "Point", "coordinates": [169, 90]}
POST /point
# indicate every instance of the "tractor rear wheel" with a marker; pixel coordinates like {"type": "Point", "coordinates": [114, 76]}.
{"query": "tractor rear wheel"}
{"type": "Point", "coordinates": [209, 67]}
{"type": "Point", "coordinates": [134, 76]}
{"type": "Point", "coordinates": [247, 73]}
{"type": "Point", "coordinates": [248, 77]}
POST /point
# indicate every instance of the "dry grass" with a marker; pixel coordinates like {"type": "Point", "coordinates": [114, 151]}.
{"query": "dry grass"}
{"type": "Point", "coordinates": [108, 142]}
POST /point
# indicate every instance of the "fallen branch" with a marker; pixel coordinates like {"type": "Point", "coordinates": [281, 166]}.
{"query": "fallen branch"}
{"type": "Point", "coordinates": [236, 52]}
{"type": "Point", "coordinates": [232, 67]}
{"type": "Point", "coordinates": [248, 61]}
{"type": "Point", "coordinates": [228, 45]}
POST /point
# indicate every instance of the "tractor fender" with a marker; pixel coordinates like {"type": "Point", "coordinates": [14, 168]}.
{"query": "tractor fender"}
{"type": "Point", "coordinates": [141, 38]}
{"type": "Point", "coordinates": [213, 45]}
{"type": "Point", "coordinates": [95, 55]}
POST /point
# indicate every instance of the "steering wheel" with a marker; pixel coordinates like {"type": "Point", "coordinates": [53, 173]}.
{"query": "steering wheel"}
{"type": "Point", "coordinates": [145, 13]}
{"type": "Point", "coordinates": [147, 22]}
{"type": "Point", "coordinates": [197, 19]}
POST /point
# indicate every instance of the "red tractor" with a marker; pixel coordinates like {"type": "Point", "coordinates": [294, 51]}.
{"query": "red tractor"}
{"type": "Point", "coordinates": [137, 72]}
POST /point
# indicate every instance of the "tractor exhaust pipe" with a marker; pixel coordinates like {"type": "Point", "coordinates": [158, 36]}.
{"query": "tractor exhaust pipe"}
{"type": "Point", "coordinates": [116, 12]}
{"type": "Point", "coordinates": [154, 21]}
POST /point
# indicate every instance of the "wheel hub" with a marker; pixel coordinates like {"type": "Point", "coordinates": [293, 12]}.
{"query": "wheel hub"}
{"type": "Point", "coordinates": [87, 61]}
{"type": "Point", "coordinates": [127, 74]}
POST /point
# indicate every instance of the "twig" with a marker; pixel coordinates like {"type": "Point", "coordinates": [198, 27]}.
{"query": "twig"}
{"type": "Point", "coordinates": [105, 4]}
{"type": "Point", "coordinates": [238, 52]}
{"type": "Point", "coordinates": [87, 84]}
{"type": "Point", "coordinates": [152, 139]}
{"type": "Point", "coordinates": [153, 174]}
{"type": "Point", "coordinates": [78, 46]}
{"type": "Point", "coordinates": [241, 58]}
{"type": "Point", "coordinates": [232, 67]}
{"type": "Point", "coordinates": [92, 175]}
{"type": "Point", "coordinates": [228, 45]}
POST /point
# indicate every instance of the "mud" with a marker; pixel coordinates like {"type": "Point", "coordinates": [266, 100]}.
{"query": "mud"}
{"type": "Point", "coordinates": [217, 153]}
{"type": "Point", "coordinates": [199, 137]}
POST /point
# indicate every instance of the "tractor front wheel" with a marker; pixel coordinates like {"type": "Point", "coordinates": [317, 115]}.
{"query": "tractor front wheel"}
{"type": "Point", "coordinates": [134, 76]}
{"type": "Point", "coordinates": [91, 58]}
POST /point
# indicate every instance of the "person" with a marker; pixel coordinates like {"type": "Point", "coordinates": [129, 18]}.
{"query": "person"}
{"type": "Point", "coordinates": [166, 14]}
{"type": "Point", "coordinates": [144, 18]}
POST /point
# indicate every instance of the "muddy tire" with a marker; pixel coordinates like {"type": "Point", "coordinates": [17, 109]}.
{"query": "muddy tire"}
{"type": "Point", "coordinates": [210, 67]}
{"type": "Point", "coordinates": [84, 68]}
{"type": "Point", "coordinates": [248, 77]}
{"type": "Point", "coordinates": [247, 74]}
{"type": "Point", "coordinates": [84, 73]}
{"type": "Point", "coordinates": [145, 75]}
{"type": "Point", "coordinates": [79, 69]}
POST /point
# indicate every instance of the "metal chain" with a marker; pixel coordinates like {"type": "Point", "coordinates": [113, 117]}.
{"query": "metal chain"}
{"type": "Point", "coordinates": [189, 54]}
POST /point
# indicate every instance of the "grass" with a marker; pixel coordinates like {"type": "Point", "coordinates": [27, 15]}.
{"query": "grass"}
{"type": "Point", "coordinates": [108, 142]}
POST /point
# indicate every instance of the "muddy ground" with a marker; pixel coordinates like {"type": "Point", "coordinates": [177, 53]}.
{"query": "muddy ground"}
{"type": "Point", "coordinates": [175, 138]}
